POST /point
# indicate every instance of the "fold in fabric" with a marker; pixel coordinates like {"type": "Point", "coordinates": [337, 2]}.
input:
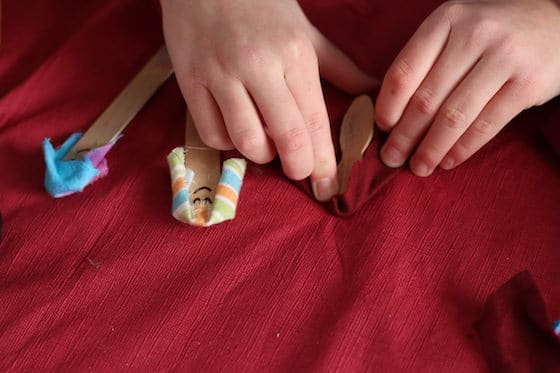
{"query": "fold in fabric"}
{"type": "Point", "coordinates": [514, 329]}
{"type": "Point", "coordinates": [368, 176]}
{"type": "Point", "coordinates": [63, 178]}
{"type": "Point", "coordinates": [550, 126]}
{"type": "Point", "coordinates": [204, 214]}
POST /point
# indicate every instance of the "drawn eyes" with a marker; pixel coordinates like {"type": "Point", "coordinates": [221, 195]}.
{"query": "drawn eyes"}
{"type": "Point", "coordinates": [203, 202]}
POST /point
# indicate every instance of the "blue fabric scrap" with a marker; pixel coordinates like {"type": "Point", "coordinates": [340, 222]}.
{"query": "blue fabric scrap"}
{"type": "Point", "coordinates": [556, 327]}
{"type": "Point", "coordinates": [66, 177]}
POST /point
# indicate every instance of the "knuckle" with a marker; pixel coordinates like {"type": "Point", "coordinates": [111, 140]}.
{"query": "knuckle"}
{"type": "Point", "coordinates": [216, 80]}
{"type": "Point", "coordinates": [324, 164]}
{"type": "Point", "coordinates": [524, 83]}
{"type": "Point", "coordinates": [385, 119]}
{"type": "Point", "coordinates": [480, 34]}
{"type": "Point", "coordinates": [243, 57]}
{"type": "Point", "coordinates": [247, 141]}
{"type": "Point", "coordinates": [429, 154]}
{"type": "Point", "coordinates": [402, 141]}
{"type": "Point", "coordinates": [484, 27]}
{"type": "Point", "coordinates": [248, 54]}
{"type": "Point", "coordinates": [453, 117]}
{"type": "Point", "coordinates": [399, 74]}
{"type": "Point", "coordinates": [460, 151]}
{"type": "Point", "coordinates": [525, 90]}
{"type": "Point", "coordinates": [295, 171]}
{"type": "Point", "coordinates": [512, 50]}
{"type": "Point", "coordinates": [297, 46]}
{"type": "Point", "coordinates": [217, 76]}
{"type": "Point", "coordinates": [292, 140]}
{"type": "Point", "coordinates": [507, 45]}
{"type": "Point", "coordinates": [214, 141]}
{"type": "Point", "coordinates": [450, 10]}
{"type": "Point", "coordinates": [315, 122]}
{"type": "Point", "coordinates": [484, 127]}
{"type": "Point", "coordinates": [194, 77]}
{"type": "Point", "coordinates": [424, 102]}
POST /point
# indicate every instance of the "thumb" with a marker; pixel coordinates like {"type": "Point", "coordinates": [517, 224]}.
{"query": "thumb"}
{"type": "Point", "coordinates": [337, 68]}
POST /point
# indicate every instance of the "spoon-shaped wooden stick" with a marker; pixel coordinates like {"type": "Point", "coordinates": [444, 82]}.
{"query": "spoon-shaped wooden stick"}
{"type": "Point", "coordinates": [124, 108]}
{"type": "Point", "coordinates": [356, 133]}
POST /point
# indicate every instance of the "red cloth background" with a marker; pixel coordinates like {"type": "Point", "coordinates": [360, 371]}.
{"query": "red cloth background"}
{"type": "Point", "coordinates": [515, 329]}
{"type": "Point", "coordinates": [107, 280]}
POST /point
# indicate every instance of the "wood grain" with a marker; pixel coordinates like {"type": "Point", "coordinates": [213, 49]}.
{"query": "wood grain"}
{"type": "Point", "coordinates": [110, 124]}
{"type": "Point", "coordinates": [356, 133]}
{"type": "Point", "coordinates": [204, 161]}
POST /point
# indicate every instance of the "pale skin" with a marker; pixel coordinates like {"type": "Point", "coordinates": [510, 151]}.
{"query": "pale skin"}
{"type": "Point", "coordinates": [250, 73]}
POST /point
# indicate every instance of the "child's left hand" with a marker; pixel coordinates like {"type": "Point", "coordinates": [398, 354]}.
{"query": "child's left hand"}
{"type": "Point", "coordinates": [471, 67]}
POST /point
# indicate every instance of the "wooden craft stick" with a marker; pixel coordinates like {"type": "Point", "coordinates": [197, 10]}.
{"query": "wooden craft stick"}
{"type": "Point", "coordinates": [110, 124]}
{"type": "Point", "coordinates": [356, 133]}
{"type": "Point", "coordinates": [204, 161]}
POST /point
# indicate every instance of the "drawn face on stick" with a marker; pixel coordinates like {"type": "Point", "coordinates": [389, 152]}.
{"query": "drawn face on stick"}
{"type": "Point", "coordinates": [202, 196]}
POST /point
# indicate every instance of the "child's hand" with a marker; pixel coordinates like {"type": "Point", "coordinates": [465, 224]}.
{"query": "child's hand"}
{"type": "Point", "coordinates": [471, 67]}
{"type": "Point", "coordinates": [249, 71]}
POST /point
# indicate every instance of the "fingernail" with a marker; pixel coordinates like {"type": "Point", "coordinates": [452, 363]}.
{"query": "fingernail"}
{"type": "Point", "coordinates": [420, 169]}
{"type": "Point", "coordinates": [447, 163]}
{"type": "Point", "coordinates": [324, 189]}
{"type": "Point", "coordinates": [392, 157]}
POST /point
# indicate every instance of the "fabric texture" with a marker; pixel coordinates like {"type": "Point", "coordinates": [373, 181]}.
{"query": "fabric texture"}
{"type": "Point", "coordinates": [368, 176]}
{"type": "Point", "coordinates": [62, 177]}
{"type": "Point", "coordinates": [398, 281]}
{"type": "Point", "coordinates": [203, 214]}
{"type": "Point", "coordinates": [515, 329]}
{"type": "Point", "coordinates": [551, 127]}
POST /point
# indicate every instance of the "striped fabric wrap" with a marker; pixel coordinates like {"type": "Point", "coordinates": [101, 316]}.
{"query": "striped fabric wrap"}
{"type": "Point", "coordinates": [225, 199]}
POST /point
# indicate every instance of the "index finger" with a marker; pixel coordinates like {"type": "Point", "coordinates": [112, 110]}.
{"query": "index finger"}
{"type": "Point", "coordinates": [410, 68]}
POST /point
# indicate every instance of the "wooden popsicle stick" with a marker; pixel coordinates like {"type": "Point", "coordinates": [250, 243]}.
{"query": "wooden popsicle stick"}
{"type": "Point", "coordinates": [205, 162]}
{"type": "Point", "coordinates": [356, 133]}
{"type": "Point", "coordinates": [110, 124]}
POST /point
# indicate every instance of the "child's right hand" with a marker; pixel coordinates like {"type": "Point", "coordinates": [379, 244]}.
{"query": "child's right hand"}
{"type": "Point", "coordinates": [249, 71]}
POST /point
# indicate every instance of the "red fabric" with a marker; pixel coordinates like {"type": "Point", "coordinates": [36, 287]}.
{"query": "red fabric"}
{"type": "Point", "coordinates": [368, 176]}
{"type": "Point", "coordinates": [515, 329]}
{"type": "Point", "coordinates": [107, 280]}
{"type": "Point", "coordinates": [551, 127]}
